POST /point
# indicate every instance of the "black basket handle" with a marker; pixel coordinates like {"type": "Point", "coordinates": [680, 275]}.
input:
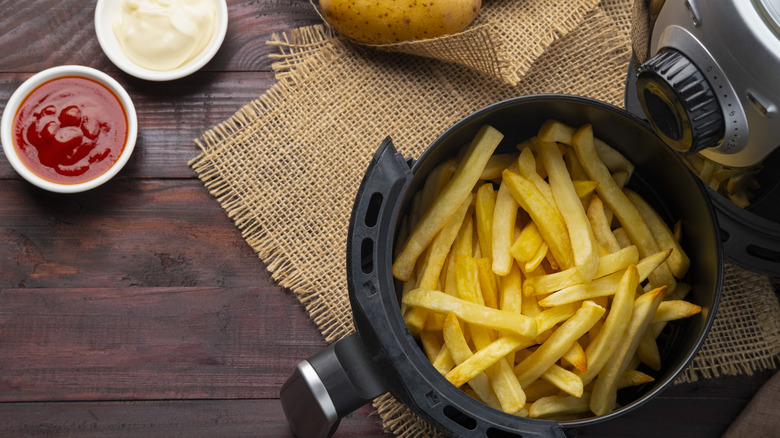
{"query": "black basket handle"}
{"type": "Point", "coordinates": [344, 376]}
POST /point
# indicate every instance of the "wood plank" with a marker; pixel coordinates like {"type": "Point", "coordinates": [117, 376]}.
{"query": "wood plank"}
{"type": "Point", "coordinates": [152, 233]}
{"type": "Point", "coordinates": [57, 33]}
{"type": "Point", "coordinates": [668, 417]}
{"type": "Point", "coordinates": [150, 343]}
{"type": "Point", "coordinates": [150, 419]}
{"type": "Point", "coordinates": [170, 117]}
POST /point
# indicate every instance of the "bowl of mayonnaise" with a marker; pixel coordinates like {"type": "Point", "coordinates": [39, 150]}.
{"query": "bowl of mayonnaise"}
{"type": "Point", "coordinates": [160, 40]}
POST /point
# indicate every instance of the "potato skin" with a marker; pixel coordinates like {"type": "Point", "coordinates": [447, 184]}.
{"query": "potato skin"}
{"type": "Point", "coordinates": [392, 21]}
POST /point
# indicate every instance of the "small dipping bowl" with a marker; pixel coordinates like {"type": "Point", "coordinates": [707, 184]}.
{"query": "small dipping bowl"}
{"type": "Point", "coordinates": [106, 11]}
{"type": "Point", "coordinates": [87, 121]}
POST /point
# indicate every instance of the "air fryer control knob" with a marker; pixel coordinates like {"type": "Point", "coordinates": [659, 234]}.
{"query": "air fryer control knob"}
{"type": "Point", "coordinates": [679, 102]}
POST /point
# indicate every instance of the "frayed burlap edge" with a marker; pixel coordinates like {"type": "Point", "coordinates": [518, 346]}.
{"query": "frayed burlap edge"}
{"type": "Point", "coordinates": [745, 336]}
{"type": "Point", "coordinates": [478, 47]}
{"type": "Point", "coordinates": [232, 197]}
{"type": "Point", "coordinates": [484, 45]}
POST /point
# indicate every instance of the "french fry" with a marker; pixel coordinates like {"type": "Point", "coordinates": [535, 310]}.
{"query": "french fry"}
{"type": "Point", "coordinates": [406, 286]}
{"type": "Point", "coordinates": [496, 164]}
{"type": "Point", "coordinates": [547, 217]}
{"type": "Point", "coordinates": [553, 130]}
{"type": "Point", "coordinates": [459, 187]}
{"type": "Point", "coordinates": [511, 291]}
{"type": "Point", "coordinates": [586, 257]}
{"type": "Point", "coordinates": [544, 284]}
{"type": "Point", "coordinates": [613, 197]}
{"type": "Point", "coordinates": [632, 377]}
{"type": "Point", "coordinates": [488, 284]}
{"type": "Point", "coordinates": [435, 182]}
{"type": "Point", "coordinates": [503, 381]}
{"type": "Point", "coordinates": [558, 343]}
{"type": "Point", "coordinates": [601, 228]}
{"type": "Point", "coordinates": [583, 187]}
{"type": "Point", "coordinates": [620, 178]}
{"type": "Point", "coordinates": [437, 301]}
{"type": "Point", "coordinates": [576, 357]}
{"type": "Point", "coordinates": [678, 260]}
{"type": "Point", "coordinates": [575, 168]}
{"type": "Point", "coordinates": [483, 209]}
{"type": "Point", "coordinates": [647, 350]}
{"type": "Point", "coordinates": [431, 343]}
{"type": "Point", "coordinates": [670, 310]}
{"type": "Point", "coordinates": [604, 396]}
{"type": "Point", "coordinates": [467, 279]}
{"type": "Point", "coordinates": [527, 244]}
{"type": "Point", "coordinates": [529, 168]}
{"type": "Point", "coordinates": [547, 318]}
{"type": "Point", "coordinates": [511, 296]}
{"type": "Point", "coordinates": [603, 286]}
{"type": "Point", "coordinates": [443, 361]}
{"type": "Point", "coordinates": [460, 351]}
{"type": "Point", "coordinates": [536, 261]}
{"type": "Point", "coordinates": [603, 346]}
{"type": "Point", "coordinates": [485, 357]}
{"type": "Point", "coordinates": [530, 307]}
{"type": "Point", "coordinates": [555, 405]}
{"type": "Point", "coordinates": [622, 237]}
{"type": "Point", "coordinates": [679, 292]}
{"type": "Point", "coordinates": [440, 247]}
{"type": "Point", "coordinates": [564, 380]}
{"type": "Point", "coordinates": [614, 160]}
{"type": "Point", "coordinates": [538, 389]}
{"type": "Point", "coordinates": [618, 261]}
{"type": "Point", "coordinates": [510, 394]}
{"type": "Point", "coordinates": [608, 264]}
{"type": "Point", "coordinates": [504, 217]}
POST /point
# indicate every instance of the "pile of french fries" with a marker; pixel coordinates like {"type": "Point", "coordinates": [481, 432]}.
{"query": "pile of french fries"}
{"type": "Point", "coordinates": [739, 185]}
{"type": "Point", "coordinates": [535, 280]}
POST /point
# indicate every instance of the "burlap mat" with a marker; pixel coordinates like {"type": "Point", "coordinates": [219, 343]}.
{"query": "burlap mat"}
{"type": "Point", "coordinates": [491, 46]}
{"type": "Point", "coordinates": [287, 166]}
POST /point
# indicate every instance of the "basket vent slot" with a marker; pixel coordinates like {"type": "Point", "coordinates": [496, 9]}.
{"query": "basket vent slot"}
{"type": "Point", "coordinates": [464, 420]}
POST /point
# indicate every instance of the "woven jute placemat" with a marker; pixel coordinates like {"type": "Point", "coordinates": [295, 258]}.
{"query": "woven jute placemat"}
{"type": "Point", "coordinates": [286, 167]}
{"type": "Point", "coordinates": [491, 46]}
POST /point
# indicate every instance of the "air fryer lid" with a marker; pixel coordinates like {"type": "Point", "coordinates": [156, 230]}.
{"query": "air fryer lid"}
{"type": "Point", "coordinates": [392, 355]}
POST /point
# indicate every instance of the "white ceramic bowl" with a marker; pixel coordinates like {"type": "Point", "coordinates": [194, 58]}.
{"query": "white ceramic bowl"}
{"type": "Point", "coordinates": [18, 97]}
{"type": "Point", "coordinates": [107, 10]}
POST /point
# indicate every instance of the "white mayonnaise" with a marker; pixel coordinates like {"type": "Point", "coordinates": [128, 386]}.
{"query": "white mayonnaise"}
{"type": "Point", "coordinates": [162, 35]}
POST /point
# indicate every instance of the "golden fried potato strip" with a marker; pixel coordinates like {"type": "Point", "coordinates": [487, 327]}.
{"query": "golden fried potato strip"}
{"type": "Point", "coordinates": [463, 180]}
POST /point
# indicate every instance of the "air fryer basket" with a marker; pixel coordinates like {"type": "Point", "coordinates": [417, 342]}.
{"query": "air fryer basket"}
{"type": "Point", "coordinates": [388, 353]}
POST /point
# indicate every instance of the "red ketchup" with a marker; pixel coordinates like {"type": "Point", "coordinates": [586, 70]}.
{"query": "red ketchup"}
{"type": "Point", "coordinates": [70, 130]}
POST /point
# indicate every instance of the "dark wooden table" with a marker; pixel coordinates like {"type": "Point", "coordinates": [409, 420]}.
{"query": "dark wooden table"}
{"type": "Point", "coordinates": [137, 309]}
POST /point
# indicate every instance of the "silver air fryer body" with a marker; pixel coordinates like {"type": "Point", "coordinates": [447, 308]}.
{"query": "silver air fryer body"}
{"type": "Point", "coordinates": [711, 83]}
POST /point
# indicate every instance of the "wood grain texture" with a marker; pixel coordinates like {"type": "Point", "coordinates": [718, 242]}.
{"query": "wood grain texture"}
{"type": "Point", "coordinates": [129, 233]}
{"type": "Point", "coordinates": [165, 418]}
{"type": "Point", "coordinates": [149, 343]}
{"type": "Point", "coordinates": [137, 309]}
{"type": "Point", "coordinates": [37, 34]}
{"type": "Point", "coordinates": [170, 116]}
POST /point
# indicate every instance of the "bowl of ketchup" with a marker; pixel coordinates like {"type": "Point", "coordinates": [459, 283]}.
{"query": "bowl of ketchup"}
{"type": "Point", "coordinates": [69, 129]}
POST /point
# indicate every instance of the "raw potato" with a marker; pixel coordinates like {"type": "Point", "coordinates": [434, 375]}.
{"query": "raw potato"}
{"type": "Point", "coordinates": [393, 21]}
